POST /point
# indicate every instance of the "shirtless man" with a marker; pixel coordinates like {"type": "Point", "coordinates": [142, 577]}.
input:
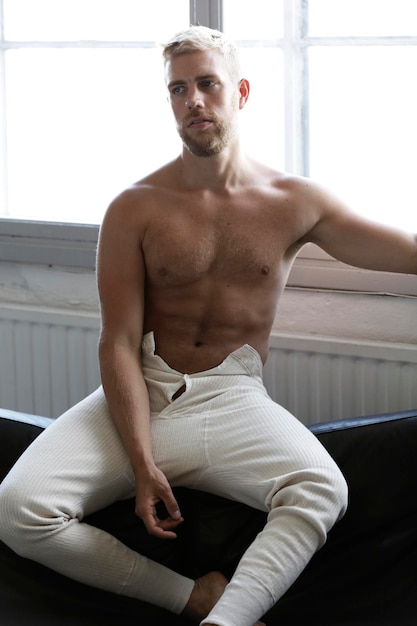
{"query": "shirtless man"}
{"type": "Point", "coordinates": [192, 261]}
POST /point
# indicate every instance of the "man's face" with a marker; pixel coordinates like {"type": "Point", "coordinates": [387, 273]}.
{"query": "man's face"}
{"type": "Point", "coordinates": [204, 100]}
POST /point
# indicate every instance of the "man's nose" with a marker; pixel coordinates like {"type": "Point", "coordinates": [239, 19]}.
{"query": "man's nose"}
{"type": "Point", "coordinates": [194, 99]}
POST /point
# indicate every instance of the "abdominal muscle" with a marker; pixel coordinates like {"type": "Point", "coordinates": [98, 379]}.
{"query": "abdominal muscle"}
{"type": "Point", "coordinates": [197, 328]}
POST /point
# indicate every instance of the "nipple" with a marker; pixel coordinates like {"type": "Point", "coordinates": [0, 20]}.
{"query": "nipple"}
{"type": "Point", "coordinates": [265, 270]}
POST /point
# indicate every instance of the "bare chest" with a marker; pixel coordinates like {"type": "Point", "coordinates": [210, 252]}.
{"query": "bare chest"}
{"type": "Point", "coordinates": [237, 247]}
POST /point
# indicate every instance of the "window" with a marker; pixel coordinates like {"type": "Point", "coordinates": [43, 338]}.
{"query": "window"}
{"type": "Point", "coordinates": [336, 87]}
{"type": "Point", "coordinates": [84, 110]}
{"type": "Point", "coordinates": [85, 104]}
{"type": "Point", "coordinates": [362, 103]}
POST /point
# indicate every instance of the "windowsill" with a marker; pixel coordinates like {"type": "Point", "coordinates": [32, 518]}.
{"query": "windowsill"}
{"type": "Point", "coordinates": [48, 243]}
{"type": "Point", "coordinates": [314, 269]}
{"type": "Point", "coordinates": [74, 246]}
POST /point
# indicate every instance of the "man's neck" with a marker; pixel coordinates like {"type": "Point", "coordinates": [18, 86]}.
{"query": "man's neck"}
{"type": "Point", "coordinates": [220, 172]}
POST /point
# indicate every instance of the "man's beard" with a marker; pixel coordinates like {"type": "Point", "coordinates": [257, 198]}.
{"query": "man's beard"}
{"type": "Point", "coordinates": [208, 144]}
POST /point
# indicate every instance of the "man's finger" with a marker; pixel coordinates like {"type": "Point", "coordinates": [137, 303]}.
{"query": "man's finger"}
{"type": "Point", "coordinates": [159, 528]}
{"type": "Point", "coordinates": [172, 507]}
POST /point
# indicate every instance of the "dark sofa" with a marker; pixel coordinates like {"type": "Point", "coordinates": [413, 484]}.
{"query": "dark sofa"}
{"type": "Point", "coordinates": [366, 574]}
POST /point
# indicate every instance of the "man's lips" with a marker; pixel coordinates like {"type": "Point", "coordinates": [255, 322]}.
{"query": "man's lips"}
{"type": "Point", "coordinates": [199, 122]}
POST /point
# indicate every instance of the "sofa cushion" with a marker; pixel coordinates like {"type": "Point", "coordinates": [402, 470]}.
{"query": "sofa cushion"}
{"type": "Point", "coordinates": [365, 574]}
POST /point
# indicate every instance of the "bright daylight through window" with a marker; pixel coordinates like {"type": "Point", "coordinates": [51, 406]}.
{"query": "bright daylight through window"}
{"type": "Point", "coordinates": [84, 108]}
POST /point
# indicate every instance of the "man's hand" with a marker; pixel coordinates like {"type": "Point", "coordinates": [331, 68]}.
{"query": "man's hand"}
{"type": "Point", "coordinates": [152, 487]}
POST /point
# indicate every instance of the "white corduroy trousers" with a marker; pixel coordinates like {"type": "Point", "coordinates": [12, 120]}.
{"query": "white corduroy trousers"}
{"type": "Point", "coordinates": [223, 435]}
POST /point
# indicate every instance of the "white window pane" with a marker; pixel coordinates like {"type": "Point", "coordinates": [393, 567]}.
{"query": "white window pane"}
{"type": "Point", "coordinates": [262, 119]}
{"type": "Point", "coordinates": [82, 125]}
{"type": "Point", "coordinates": [248, 20]}
{"type": "Point", "coordinates": [111, 20]}
{"type": "Point", "coordinates": [349, 18]}
{"type": "Point", "coordinates": [363, 128]}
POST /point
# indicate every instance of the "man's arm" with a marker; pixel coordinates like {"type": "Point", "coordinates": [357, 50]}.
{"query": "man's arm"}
{"type": "Point", "coordinates": [358, 241]}
{"type": "Point", "coordinates": [121, 278]}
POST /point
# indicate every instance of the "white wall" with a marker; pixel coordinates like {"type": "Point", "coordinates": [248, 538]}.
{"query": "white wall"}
{"type": "Point", "coordinates": [312, 312]}
{"type": "Point", "coordinates": [370, 317]}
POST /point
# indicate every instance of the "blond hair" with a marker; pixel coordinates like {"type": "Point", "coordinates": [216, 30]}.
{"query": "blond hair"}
{"type": "Point", "coordinates": [204, 38]}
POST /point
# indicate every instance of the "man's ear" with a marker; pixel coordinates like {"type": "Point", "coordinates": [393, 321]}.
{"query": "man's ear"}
{"type": "Point", "coordinates": [244, 89]}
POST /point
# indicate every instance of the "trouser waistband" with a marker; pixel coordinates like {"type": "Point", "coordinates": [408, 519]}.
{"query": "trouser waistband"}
{"type": "Point", "coordinates": [242, 361]}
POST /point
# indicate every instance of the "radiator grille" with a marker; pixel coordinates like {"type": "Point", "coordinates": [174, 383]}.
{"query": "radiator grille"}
{"type": "Point", "coordinates": [320, 379]}
{"type": "Point", "coordinates": [48, 362]}
{"type": "Point", "coordinates": [48, 359]}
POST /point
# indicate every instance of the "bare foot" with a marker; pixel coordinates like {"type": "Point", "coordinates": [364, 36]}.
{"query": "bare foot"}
{"type": "Point", "coordinates": [207, 590]}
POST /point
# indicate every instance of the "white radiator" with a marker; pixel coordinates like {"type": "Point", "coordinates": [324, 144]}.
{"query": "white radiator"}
{"type": "Point", "coordinates": [48, 362]}
{"type": "Point", "coordinates": [320, 379]}
{"type": "Point", "coordinates": [48, 359]}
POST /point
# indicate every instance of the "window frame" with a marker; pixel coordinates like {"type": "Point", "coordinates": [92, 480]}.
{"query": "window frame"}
{"type": "Point", "coordinates": [73, 245]}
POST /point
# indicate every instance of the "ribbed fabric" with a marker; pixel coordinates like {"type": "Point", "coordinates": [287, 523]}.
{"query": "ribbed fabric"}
{"type": "Point", "coordinates": [75, 467]}
{"type": "Point", "coordinates": [224, 435]}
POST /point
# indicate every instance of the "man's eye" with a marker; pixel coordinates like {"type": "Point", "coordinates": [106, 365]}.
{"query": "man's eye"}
{"type": "Point", "coordinates": [207, 83]}
{"type": "Point", "coordinates": [177, 90]}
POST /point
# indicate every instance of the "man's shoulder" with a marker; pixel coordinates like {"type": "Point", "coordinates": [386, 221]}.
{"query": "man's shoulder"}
{"type": "Point", "coordinates": [278, 179]}
{"type": "Point", "coordinates": [159, 178]}
{"type": "Point", "coordinates": [289, 182]}
{"type": "Point", "coordinates": [145, 190]}
{"type": "Point", "coordinates": [299, 190]}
